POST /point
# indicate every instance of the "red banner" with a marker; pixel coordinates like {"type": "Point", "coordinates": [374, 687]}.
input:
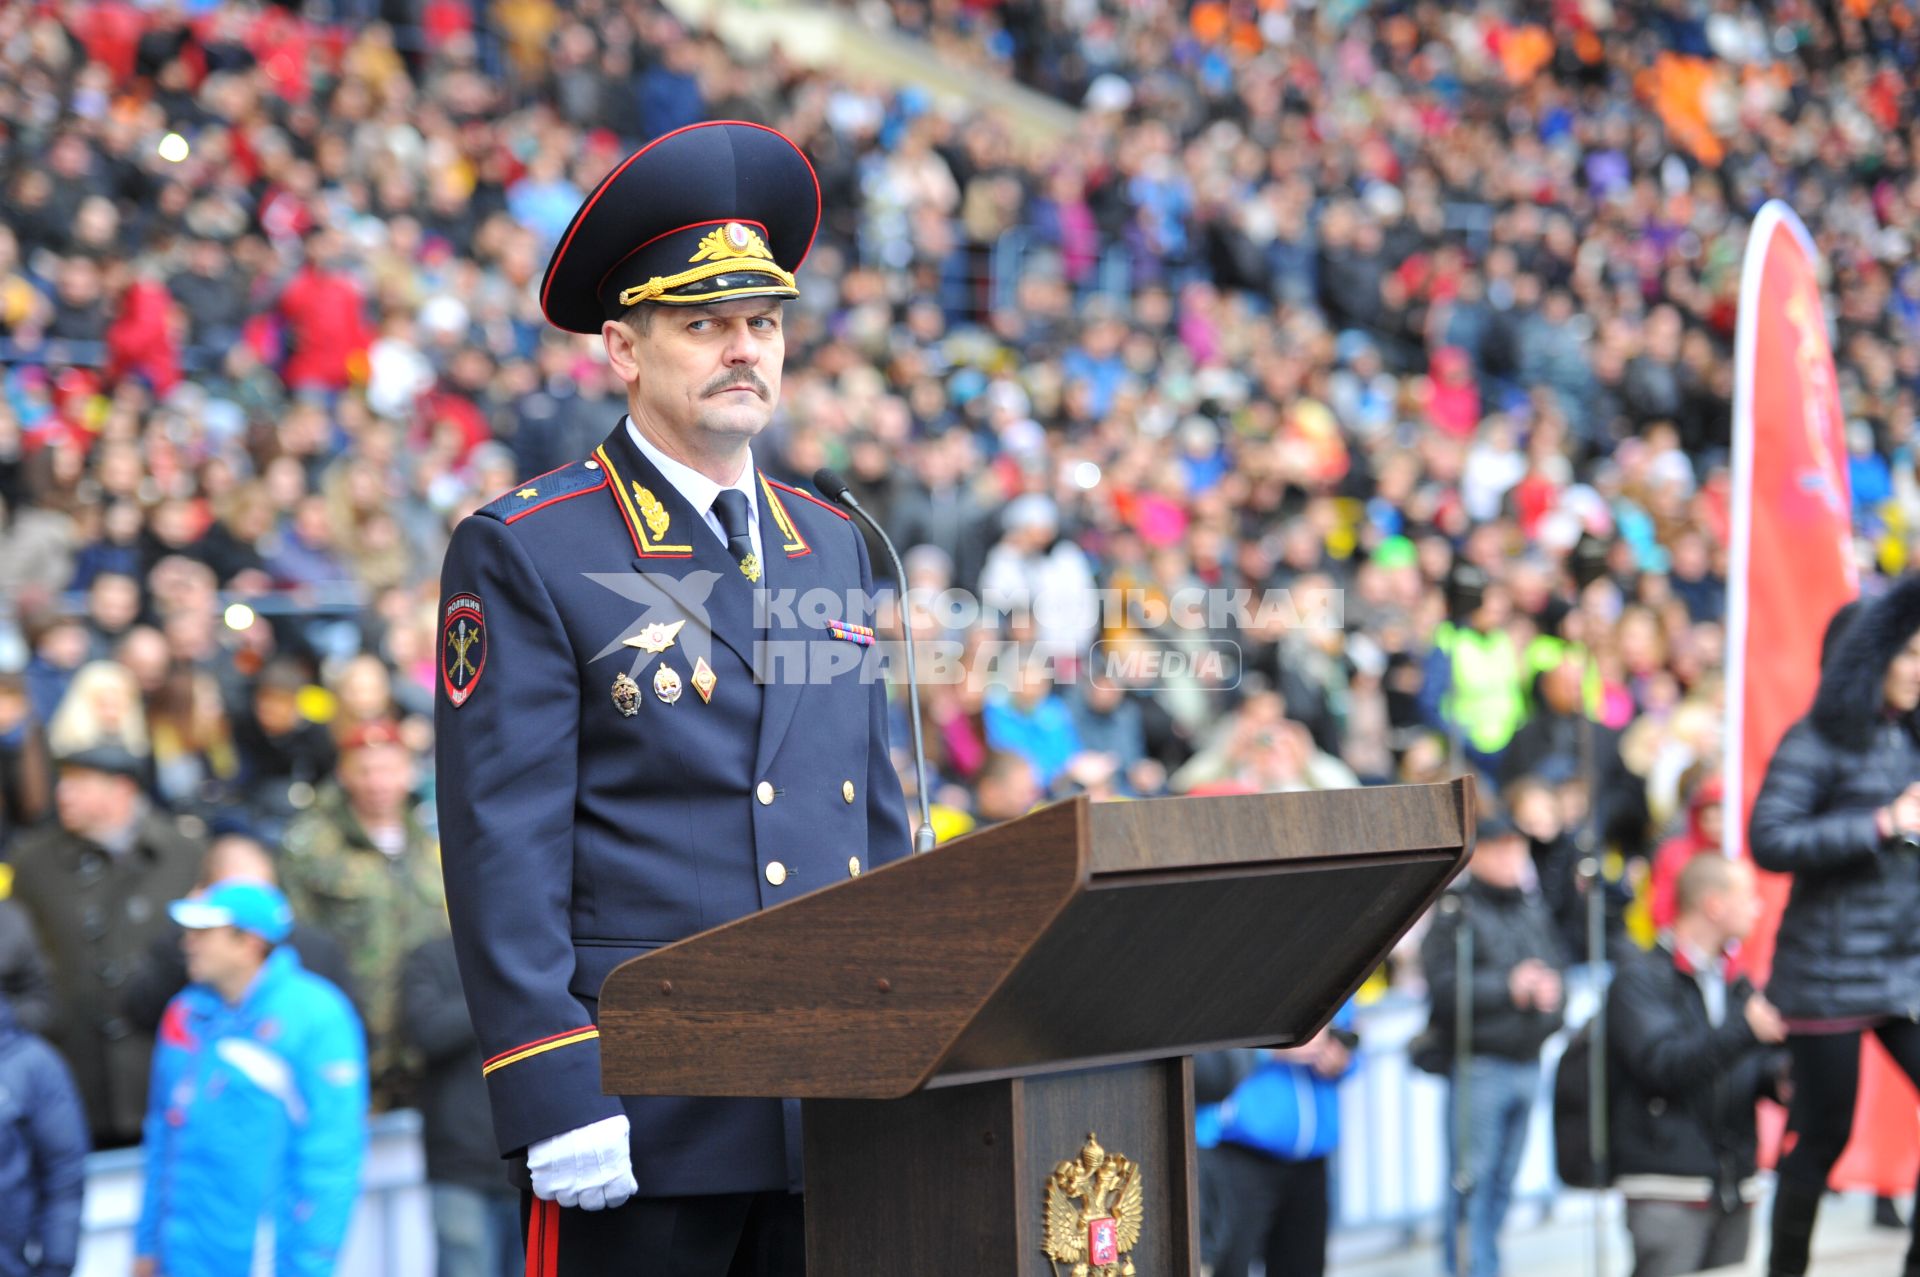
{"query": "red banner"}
{"type": "Point", "coordinates": [1791, 568]}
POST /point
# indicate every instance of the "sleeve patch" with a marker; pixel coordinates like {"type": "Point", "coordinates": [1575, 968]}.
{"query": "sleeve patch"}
{"type": "Point", "coordinates": [463, 646]}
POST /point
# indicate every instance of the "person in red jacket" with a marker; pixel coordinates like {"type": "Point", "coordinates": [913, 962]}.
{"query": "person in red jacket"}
{"type": "Point", "coordinates": [327, 330]}
{"type": "Point", "coordinates": [144, 337]}
{"type": "Point", "coordinates": [1703, 835]}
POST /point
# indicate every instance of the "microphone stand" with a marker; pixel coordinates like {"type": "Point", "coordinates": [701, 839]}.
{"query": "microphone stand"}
{"type": "Point", "coordinates": [835, 489]}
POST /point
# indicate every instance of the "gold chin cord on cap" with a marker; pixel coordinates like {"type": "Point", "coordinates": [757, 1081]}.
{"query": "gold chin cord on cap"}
{"type": "Point", "coordinates": [660, 285]}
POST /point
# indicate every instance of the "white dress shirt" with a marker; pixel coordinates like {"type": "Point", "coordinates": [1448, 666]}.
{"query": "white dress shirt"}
{"type": "Point", "coordinates": [1710, 974]}
{"type": "Point", "coordinates": [699, 491]}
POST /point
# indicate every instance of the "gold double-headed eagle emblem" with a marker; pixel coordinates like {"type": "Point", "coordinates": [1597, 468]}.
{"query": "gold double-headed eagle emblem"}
{"type": "Point", "coordinates": [1095, 1206]}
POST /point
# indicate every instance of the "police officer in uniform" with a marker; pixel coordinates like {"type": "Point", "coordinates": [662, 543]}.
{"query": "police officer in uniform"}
{"type": "Point", "coordinates": [636, 740]}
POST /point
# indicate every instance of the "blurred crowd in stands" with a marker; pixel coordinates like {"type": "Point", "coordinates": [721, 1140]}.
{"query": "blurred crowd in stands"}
{"type": "Point", "coordinates": [1429, 304]}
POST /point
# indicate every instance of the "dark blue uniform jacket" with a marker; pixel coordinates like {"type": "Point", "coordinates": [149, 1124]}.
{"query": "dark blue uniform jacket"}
{"type": "Point", "coordinates": [596, 803]}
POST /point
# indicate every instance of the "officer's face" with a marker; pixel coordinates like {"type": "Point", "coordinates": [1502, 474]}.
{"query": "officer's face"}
{"type": "Point", "coordinates": [705, 377]}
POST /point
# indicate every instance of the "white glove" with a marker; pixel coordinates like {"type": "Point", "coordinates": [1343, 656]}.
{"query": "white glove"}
{"type": "Point", "coordinates": [590, 1167]}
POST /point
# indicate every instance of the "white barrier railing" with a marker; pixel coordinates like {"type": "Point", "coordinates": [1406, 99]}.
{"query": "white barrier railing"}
{"type": "Point", "coordinates": [1390, 1171]}
{"type": "Point", "coordinates": [391, 1234]}
{"type": "Point", "coordinates": [1391, 1167]}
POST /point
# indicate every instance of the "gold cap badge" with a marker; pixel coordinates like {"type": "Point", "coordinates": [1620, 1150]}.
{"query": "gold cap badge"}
{"type": "Point", "coordinates": [727, 248]}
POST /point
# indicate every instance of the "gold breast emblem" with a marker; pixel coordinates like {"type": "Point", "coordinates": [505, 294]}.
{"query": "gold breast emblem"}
{"type": "Point", "coordinates": [656, 638]}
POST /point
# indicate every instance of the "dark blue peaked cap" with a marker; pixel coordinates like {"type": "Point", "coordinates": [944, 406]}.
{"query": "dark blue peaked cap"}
{"type": "Point", "coordinates": [707, 213]}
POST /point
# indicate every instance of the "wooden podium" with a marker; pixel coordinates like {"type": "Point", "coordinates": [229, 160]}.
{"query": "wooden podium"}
{"type": "Point", "coordinates": [958, 1023]}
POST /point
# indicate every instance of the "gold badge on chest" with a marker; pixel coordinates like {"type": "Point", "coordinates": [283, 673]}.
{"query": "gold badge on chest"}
{"type": "Point", "coordinates": [666, 683]}
{"type": "Point", "coordinates": [656, 638]}
{"type": "Point", "coordinates": [626, 695]}
{"type": "Point", "coordinates": [704, 679]}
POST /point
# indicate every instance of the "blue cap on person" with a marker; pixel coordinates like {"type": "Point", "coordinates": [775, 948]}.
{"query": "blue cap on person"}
{"type": "Point", "coordinates": [709, 213]}
{"type": "Point", "coordinates": [257, 907]}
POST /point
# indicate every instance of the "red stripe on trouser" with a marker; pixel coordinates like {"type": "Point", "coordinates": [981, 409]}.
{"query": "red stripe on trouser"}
{"type": "Point", "coordinates": [535, 1216]}
{"type": "Point", "coordinates": [550, 1260]}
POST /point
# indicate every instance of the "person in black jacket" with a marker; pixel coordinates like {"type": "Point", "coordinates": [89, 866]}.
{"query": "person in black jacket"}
{"type": "Point", "coordinates": [1516, 1007]}
{"type": "Point", "coordinates": [286, 757]}
{"type": "Point", "coordinates": [1840, 811]}
{"type": "Point", "coordinates": [476, 1213]}
{"type": "Point", "coordinates": [1688, 1047]}
{"type": "Point", "coordinates": [1215, 1075]}
{"type": "Point", "coordinates": [1560, 741]}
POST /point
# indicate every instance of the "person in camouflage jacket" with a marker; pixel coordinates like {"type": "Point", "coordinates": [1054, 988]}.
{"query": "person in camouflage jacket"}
{"type": "Point", "coordinates": [360, 865]}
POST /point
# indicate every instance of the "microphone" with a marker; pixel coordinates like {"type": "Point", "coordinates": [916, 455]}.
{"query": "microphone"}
{"type": "Point", "coordinates": [835, 489]}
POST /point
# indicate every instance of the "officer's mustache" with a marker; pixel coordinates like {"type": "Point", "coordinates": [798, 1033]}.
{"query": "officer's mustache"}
{"type": "Point", "coordinates": [749, 379]}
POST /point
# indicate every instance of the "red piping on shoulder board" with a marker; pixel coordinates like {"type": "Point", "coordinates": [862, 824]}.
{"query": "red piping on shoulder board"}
{"type": "Point", "coordinates": [824, 505]}
{"type": "Point", "coordinates": [565, 496]}
{"type": "Point", "coordinates": [524, 482]}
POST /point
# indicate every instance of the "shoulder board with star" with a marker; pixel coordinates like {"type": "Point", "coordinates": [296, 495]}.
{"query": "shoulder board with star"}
{"type": "Point", "coordinates": [574, 479]}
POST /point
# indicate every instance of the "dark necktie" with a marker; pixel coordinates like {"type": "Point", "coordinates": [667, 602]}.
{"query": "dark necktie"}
{"type": "Point", "coordinates": [730, 507]}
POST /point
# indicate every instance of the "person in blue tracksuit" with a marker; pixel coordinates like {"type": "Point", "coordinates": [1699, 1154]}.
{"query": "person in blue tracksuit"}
{"type": "Point", "coordinates": [43, 1153]}
{"type": "Point", "coordinates": [258, 1104]}
{"type": "Point", "coordinates": [1264, 1150]}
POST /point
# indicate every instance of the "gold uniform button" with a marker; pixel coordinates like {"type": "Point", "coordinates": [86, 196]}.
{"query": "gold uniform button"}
{"type": "Point", "coordinates": [846, 790]}
{"type": "Point", "coordinates": [853, 866]}
{"type": "Point", "coordinates": [776, 872]}
{"type": "Point", "coordinates": [764, 792]}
